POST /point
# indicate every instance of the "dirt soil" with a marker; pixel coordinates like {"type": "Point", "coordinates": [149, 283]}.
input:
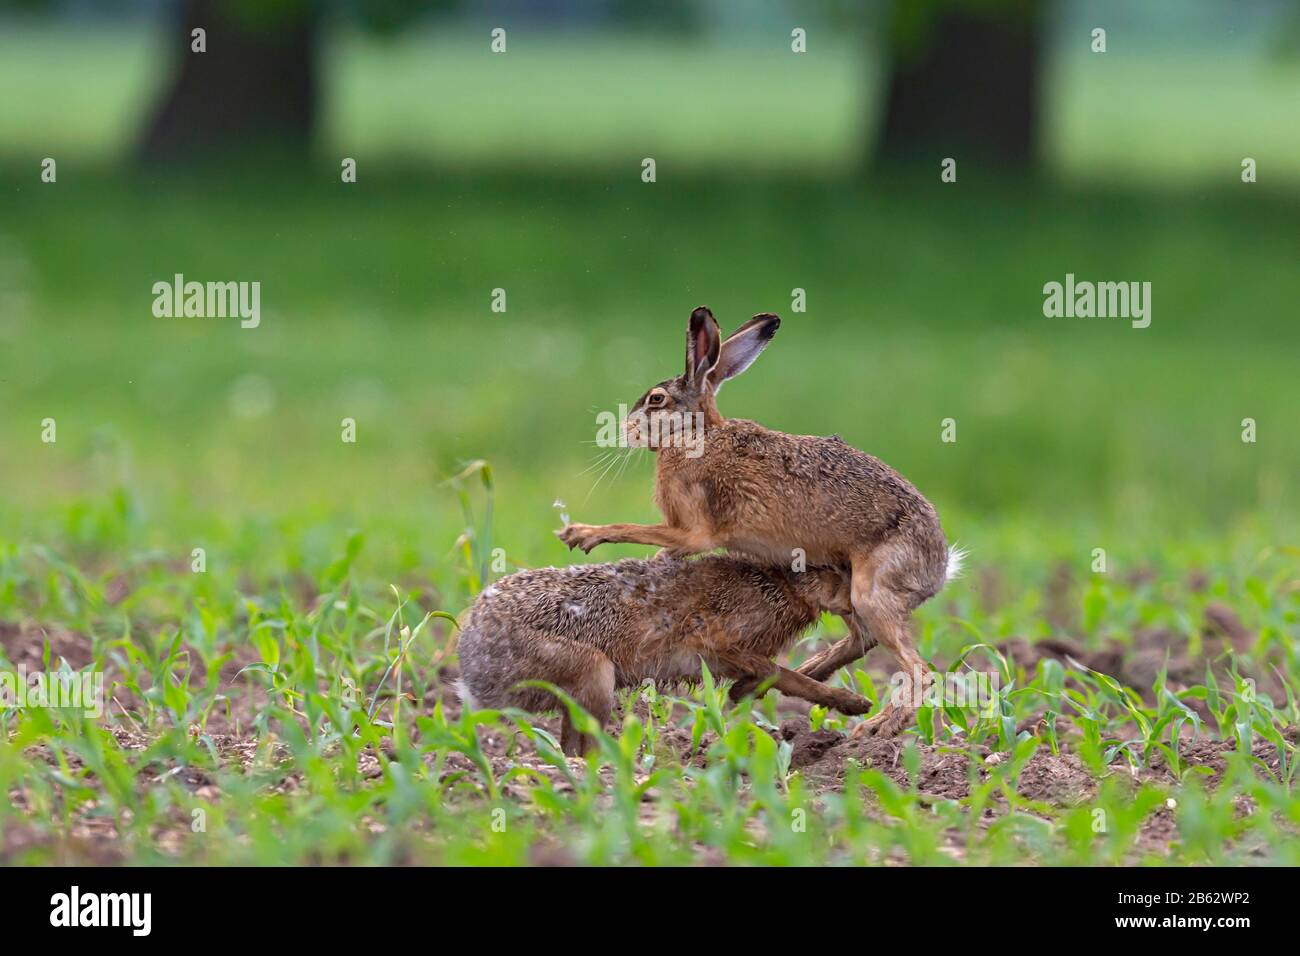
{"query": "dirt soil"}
{"type": "Point", "coordinates": [823, 757]}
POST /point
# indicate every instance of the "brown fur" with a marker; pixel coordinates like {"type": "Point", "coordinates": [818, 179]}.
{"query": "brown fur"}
{"type": "Point", "coordinates": [764, 493]}
{"type": "Point", "coordinates": [591, 628]}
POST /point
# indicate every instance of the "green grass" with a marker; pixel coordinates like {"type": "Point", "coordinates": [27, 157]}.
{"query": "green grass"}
{"type": "Point", "coordinates": [254, 719]}
{"type": "Point", "coordinates": [246, 691]}
{"type": "Point", "coordinates": [922, 305]}
{"type": "Point", "coordinates": [183, 434]}
{"type": "Point", "coordinates": [1147, 112]}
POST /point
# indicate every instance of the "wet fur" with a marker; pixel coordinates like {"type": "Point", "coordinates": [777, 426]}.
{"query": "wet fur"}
{"type": "Point", "coordinates": [764, 493]}
{"type": "Point", "coordinates": [589, 629]}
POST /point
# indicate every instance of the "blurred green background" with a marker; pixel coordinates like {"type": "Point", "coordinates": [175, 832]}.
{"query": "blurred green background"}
{"type": "Point", "coordinates": [522, 171]}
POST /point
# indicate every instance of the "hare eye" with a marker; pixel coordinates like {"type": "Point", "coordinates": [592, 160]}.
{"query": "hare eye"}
{"type": "Point", "coordinates": [655, 399]}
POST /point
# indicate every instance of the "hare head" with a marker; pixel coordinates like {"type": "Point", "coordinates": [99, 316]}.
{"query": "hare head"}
{"type": "Point", "coordinates": [677, 405]}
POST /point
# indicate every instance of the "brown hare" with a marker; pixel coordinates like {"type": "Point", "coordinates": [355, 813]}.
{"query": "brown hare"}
{"type": "Point", "coordinates": [782, 498]}
{"type": "Point", "coordinates": [591, 628]}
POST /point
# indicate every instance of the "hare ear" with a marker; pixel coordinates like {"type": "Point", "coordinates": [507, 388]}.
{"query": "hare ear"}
{"type": "Point", "coordinates": [742, 347]}
{"type": "Point", "coordinates": [703, 345]}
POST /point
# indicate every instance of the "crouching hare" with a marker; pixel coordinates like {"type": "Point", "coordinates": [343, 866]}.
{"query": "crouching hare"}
{"type": "Point", "coordinates": [589, 629]}
{"type": "Point", "coordinates": [764, 494]}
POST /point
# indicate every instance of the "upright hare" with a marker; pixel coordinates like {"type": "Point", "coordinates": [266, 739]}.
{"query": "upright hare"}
{"type": "Point", "coordinates": [764, 494]}
{"type": "Point", "coordinates": [590, 628]}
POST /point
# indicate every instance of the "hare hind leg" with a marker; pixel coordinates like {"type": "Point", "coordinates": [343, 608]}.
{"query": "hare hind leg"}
{"type": "Point", "coordinates": [744, 687]}
{"type": "Point", "coordinates": [593, 690]}
{"type": "Point", "coordinates": [837, 698]}
{"type": "Point", "coordinates": [752, 670]}
{"type": "Point", "coordinates": [586, 675]}
{"type": "Point", "coordinates": [844, 651]}
{"type": "Point", "coordinates": [884, 593]}
{"type": "Point", "coordinates": [900, 710]}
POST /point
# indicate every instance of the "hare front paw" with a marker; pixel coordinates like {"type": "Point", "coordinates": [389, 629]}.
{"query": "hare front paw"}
{"type": "Point", "coordinates": [582, 536]}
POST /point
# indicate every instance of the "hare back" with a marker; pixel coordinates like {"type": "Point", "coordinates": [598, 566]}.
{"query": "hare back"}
{"type": "Point", "coordinates": [652, 619]}
{"type": "Point", "coordinates": [765, 493]}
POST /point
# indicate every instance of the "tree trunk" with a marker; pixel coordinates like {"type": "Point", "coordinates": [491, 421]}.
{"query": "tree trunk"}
{"type": "Point", "coordinates": [255, 86]}
{"type": "Point", "coordinates": [970, 89]}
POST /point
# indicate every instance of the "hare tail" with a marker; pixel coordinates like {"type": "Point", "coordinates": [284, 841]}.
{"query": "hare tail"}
{"type": "Point", "coordinates": [956, 559]}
